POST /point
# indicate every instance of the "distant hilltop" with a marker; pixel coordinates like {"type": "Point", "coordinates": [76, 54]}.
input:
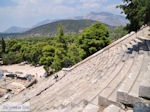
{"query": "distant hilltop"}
{"type": "Point", "coordinates": [104, 17]}
{"type": "Point", "coordinates": [16, 29]}
{"type": "Point", "coordinates": [50, 29]}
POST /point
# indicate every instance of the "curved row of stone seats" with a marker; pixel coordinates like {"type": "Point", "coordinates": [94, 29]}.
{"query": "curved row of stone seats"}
{"type": "Point", "coordinates": [102, 100]}
{"type": "Point", "coordinates": [76, 108]}
{"type": "Point", "coordinates": [138, 107]}
{"type": "Point", "coordinates": [108, 94]}
{"type": "Point", "coordinates": [129, 91]}
{"type": "Point", "coordinates": [137, 82]}
{"type": "Point", "coordinates": [98, 85]}
{"type": "Point", "coordinates": [144, 88]}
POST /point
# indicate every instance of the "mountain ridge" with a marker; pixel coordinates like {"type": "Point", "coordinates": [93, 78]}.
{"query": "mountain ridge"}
{"type": "Point", "coordinates": [69, 26]}
{"type": "Point", "coordinates": [104, 17]}
{"type": "Point", "coordinates": [16, 29]}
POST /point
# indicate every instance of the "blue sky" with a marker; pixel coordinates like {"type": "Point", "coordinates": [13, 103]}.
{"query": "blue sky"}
{"type": "Point", "coordinates": [26, 13]}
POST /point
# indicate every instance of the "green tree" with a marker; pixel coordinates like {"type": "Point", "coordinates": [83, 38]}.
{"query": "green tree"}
{"type": "Point", "coordinates": [16, 47]}
{"type": "Point", "coordinates": [61, 43]}
{"type": "Point", "coordinates": [75, 54]}
{"type": "Point", "coordinates": [59, 59]}
{"type": "Point", "coordinates": [60, 50]}
{"type": "Point", "coordinates": [10, 44]}
{"type": "Point", "coordinates": [25, 51]}
{"type": "Point", "coordinates": [3, 45]}
{"type": "Point", "coordinates": [119, 32]}
{"type": "Point", "coordinates": [94, 38]}
{"type": "Point", "coordinates": [60, 30]}
{"type": "Point", "coordinates": [137, 12]}
{"type": "Point", "coordinates": [36, 52]}
{"type": "Point", "coordinates": [11, 58]}
{"type": "Point", "coordinates": [48, 55]}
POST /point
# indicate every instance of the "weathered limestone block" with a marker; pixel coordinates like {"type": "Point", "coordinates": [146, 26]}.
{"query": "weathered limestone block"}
{"type": "Point", "coordinates": [91, 108]}
{"type": "Point", "coordinates": [113, 108]}
{"type": "Point", "coordinates": [144, 89]}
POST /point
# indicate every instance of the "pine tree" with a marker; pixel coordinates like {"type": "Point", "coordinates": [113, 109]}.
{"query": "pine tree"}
{"type": "Point", "coordinates": [3, 45]}
{"type": "Point", "coordinates": [60, 50]}
{"type": "Point", "coordinates": [60, 30]}
{"type": "Point", "coordinates": [61, 43]}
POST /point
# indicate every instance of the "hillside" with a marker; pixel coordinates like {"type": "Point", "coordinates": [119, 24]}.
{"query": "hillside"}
{"type": "Point", "coordinates": [15, 29]}
{"type": "Point", "coordinates": [8, 35]}
{"type": "Point", "coordinates": [69, 27]}
{"type": "Point", "coordinates": [43, 22]}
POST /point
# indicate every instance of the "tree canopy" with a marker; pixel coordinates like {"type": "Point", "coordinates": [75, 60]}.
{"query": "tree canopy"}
{"type": "Point", "coordinates": [3, 45]}
{"type": "Point", "coordinates": [137, 12]}
{"type": "Point", "coordinates": [119, 32]}
{"type": "Point", "coordinates": [94, 38]}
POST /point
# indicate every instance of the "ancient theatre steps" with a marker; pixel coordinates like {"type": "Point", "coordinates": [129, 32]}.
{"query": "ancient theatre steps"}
{"type": "Point", "coordinates": [144, 88]}
{"type": "Point", "coordinates": [108, 94]}
{"type": "Point", "coordinates": [128, 93]}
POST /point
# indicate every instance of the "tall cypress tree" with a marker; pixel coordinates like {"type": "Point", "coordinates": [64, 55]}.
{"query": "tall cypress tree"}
{"type": "Point", "coordinates": [3, 45]}
{"type": "Point", "coordinates": [60, 30]}
{"type": "Point", "coordinates": [61, 43]}
{"type": "Point", "coordinates": [60, 51]}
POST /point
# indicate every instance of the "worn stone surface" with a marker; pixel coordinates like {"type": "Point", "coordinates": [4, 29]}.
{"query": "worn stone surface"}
{"type": "Point", "coordinates": [91, 108]}
{"type": "Point", "coordinates": [129, 111]}
{"type": "Point", "coordinates": [113, 108]}
{"type": "Point", "coordinates": [144, 89]}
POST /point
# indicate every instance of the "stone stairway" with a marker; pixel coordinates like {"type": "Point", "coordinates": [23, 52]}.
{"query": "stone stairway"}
{"type": "Point", "coordinates": [128, 92]}
{"type": "Point", "coordinates": [117, 74]}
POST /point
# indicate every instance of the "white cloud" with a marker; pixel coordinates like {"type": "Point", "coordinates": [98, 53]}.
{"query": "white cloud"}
{"type": "Point", "coordinates": [87, 6]}
{"type": "Point", "coordinates": [112, 8]}
{"type": "Point", "coordinates": [90, 5]}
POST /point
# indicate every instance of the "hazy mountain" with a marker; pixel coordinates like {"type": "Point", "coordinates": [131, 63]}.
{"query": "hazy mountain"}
{"type": "Point", "coordinates": [76, 18]}
{"type": "Point", "coordinates": [69, 27]}
{"type": "Point", "coordinates": [42, 23]}
{"type": "Point", "coordinates": [8, 35]}
{"type": "Point", "coordinates": [15, 29]}
{"type": "Point", "coordinates": [104, 17]}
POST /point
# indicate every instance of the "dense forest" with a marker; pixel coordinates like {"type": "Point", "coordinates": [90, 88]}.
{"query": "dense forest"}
{"type": "Point", "coordinates": [58, 51]}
